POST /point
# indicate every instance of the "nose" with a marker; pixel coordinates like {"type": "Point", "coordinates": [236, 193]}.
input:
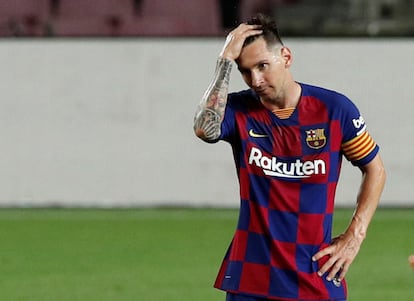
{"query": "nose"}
{"type": "Point", "coordinates": [257, 79]}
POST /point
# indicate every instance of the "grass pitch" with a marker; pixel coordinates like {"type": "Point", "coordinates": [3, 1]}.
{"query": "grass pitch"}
{"type": "Point", "coordinates": [167, 254]}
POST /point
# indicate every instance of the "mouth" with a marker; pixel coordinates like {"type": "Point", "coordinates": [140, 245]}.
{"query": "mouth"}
{"type": "Point", "coordinates": [260, 91]}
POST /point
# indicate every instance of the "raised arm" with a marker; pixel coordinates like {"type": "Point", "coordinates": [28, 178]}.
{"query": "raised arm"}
{"type": "Point", "coordinates": [210, 111]}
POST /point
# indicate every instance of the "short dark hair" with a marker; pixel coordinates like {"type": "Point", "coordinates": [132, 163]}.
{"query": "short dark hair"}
{"type": "Point", "coordinates": [270, 30]}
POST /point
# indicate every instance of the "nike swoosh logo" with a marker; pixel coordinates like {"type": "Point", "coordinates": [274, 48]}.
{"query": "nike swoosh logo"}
{"type": "Point", "coordinates": [256, 135]}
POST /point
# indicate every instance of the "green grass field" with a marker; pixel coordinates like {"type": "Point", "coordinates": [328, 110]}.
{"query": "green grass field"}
{"type": "Point", "coordinates": [166, 254]}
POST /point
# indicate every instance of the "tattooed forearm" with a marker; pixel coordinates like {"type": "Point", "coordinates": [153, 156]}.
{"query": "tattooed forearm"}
{"type": "Point", "coordinates": [210, 112]}
{"type": "Point", "coordinates": [207, 124]}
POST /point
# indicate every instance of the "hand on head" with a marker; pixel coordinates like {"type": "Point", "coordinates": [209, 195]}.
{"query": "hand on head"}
{"type": "Point", "coordinates": [235, 40]}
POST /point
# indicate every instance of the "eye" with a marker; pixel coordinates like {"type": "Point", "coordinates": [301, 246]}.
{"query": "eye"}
{"type": "Point", "coordinates": [262, 66]}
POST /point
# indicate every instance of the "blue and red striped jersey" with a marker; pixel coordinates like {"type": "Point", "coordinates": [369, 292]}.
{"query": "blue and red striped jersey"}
{"type": "Point", "coordinates": [288, 169]}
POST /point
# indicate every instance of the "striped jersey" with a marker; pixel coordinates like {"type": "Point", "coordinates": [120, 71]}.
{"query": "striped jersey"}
{"type": "Point", "coordinates": [288, 168]}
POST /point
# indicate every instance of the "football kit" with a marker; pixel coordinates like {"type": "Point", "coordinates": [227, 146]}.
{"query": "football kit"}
{"type": "Point", "coordinates": [288, 168]}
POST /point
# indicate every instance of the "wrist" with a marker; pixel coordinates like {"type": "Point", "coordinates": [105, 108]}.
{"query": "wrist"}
{"type": "Point", "coordinates": [223, 69]}
{"type": "Point", "coordinates": [226, 56]}
{"type": "Point", "coordinates": [225, 61]}
{"type": "Point", "coordinates": [357, 228]}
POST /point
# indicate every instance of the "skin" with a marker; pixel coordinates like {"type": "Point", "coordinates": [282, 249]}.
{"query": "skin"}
{"type": "Point", "coordinates": [265, 69]}
{"type": "Point", "coordinates": [345, 247]}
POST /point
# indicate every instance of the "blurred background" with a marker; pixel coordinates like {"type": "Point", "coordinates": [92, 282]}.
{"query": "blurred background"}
{"type": "Point", "coordinates": [96, 113]}
{"type": "Point", "coordinates": [60, 18]}
{"type": "Point", "coordinates": [98, 96]}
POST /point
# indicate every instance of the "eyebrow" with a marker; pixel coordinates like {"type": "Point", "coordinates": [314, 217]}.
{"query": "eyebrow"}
{"type": "Point", "coordinates": [266, 61]}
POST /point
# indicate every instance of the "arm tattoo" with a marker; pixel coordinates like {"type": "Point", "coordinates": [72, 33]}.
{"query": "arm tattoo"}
{"type": "Point", "coordinates": [210, 112]}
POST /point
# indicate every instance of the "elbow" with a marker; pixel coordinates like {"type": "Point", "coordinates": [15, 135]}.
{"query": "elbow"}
{"type": "Point", "coordinates": [200, 133]}
{"type": "Point", "coordinates": [206, 136]}
{"type": "Point", "coordinates": [207, 126]}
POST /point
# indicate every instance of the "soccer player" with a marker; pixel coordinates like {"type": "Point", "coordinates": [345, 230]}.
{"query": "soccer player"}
{"type": "Point", "coordinates": [288, 139]}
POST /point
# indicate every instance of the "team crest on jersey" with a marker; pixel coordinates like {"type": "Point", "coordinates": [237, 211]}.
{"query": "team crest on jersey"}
{"type": "Point", "coordinates": [316, 138]}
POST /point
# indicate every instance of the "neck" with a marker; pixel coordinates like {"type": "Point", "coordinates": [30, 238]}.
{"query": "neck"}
{"type": "Point", "coordinates": [288, 99]}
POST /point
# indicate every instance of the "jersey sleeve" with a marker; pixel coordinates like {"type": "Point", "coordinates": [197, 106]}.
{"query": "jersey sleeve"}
{"type": "Point", "coordinates": [228, 126]}
{"type": "Point", "coordinates": [358, 146]}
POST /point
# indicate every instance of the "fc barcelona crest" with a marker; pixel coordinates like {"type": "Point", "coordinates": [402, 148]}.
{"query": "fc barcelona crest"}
{"type": "Point", "coordinates": [316, 138]}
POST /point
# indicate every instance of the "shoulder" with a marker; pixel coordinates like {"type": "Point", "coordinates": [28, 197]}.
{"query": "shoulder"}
{"type": "Point", "coordinates": [244, 95]}
{"type": "Point", "coordinates": [321, 93]}
{"type": "Point", "coordinates": [242, 99]}
{"type": "Point", "coordinates": [332, 99]}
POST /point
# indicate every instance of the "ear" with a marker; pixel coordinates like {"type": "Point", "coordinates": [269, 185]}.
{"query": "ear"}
{"type": "Point", "coordinates": [286, 55]}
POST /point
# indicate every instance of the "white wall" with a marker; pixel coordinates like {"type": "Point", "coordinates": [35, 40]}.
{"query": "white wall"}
{"type": "Point", "coordinates": [109, 122]}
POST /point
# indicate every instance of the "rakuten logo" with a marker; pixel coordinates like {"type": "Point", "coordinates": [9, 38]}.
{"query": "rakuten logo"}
{"type": "Point", "coordinates": [295, 170]}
